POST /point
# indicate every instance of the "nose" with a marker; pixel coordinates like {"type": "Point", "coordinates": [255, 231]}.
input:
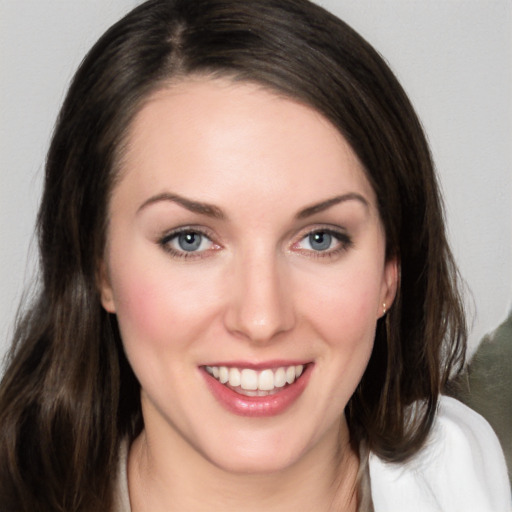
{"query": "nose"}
{"type": "Point", "coordinates": [260, 306]}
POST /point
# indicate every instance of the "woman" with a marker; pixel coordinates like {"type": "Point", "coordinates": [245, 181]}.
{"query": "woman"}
{"type": "Point", "coordinates": [246, 286]}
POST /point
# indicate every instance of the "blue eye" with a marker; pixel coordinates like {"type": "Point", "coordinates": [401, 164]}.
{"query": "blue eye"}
{"type": "Point", "coordinates": [320, 240]}
{"type": "Point", "coordinates": [186, 242]}
{"type": "Point", "coordinates": [324, 242]}
{"type": "Point", "coordinates": [189, 241]}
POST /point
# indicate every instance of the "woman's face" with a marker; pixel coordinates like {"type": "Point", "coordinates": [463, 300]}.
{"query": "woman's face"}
{"type": "Point", "coordinates": [246, 265]}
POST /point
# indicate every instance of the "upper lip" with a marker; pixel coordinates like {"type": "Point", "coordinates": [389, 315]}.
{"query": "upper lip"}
{"type": "Point", "coordinates": [260, 365]}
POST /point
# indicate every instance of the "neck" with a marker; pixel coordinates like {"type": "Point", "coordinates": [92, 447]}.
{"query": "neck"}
{"type": "Point", "coordinates": [174, 477]}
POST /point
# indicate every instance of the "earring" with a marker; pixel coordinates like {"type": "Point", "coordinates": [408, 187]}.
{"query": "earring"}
{"type": "Point", "coordinates": [384, 308]}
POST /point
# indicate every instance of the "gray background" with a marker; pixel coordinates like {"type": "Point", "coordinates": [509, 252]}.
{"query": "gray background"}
{"type": "Point", "coordinates": [454, 58]}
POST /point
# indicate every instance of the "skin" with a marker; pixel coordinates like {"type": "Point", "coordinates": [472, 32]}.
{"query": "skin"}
{"type": "Point", "coordinates": [255, 291]}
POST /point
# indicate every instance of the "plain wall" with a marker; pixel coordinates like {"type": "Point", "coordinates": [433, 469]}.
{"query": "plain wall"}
{"type": "Point", "coordinates": [453, 57]}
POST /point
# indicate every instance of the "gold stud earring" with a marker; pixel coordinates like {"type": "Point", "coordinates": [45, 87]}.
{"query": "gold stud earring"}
{"type": "Point", "coordinates": [384, 308]}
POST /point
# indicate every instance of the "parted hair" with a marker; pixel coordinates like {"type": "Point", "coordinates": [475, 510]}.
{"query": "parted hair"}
{"type": "Point", "coordinates": [68, 396]}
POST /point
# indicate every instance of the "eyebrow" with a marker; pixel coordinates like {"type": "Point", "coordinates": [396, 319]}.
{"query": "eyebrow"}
{"type": "Point", "coordinates": [194, 206]}
{"type": "Point", "coordinates": [211, 210]}
{"type": "Point", "coordinates": [328, 203]}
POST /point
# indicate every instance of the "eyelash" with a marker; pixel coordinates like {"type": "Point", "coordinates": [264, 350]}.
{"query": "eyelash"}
{"type": "Point", "coordinates": [165, 241]}
{"type": "Point", "coordinates": [344, 240]}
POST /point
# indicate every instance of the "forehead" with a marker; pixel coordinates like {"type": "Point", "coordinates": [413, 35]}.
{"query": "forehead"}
{"type": "Point", "coordinates": [208, 139]}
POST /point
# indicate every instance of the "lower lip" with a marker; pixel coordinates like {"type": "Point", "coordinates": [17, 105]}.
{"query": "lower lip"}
{"type": "Point", "coordinates": [258, 406]}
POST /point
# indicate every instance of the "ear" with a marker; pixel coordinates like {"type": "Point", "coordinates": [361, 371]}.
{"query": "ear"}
{"type": "Point", "coordinates": [105, 288]}
{"type": "Point", "coordinates": [390, 283]}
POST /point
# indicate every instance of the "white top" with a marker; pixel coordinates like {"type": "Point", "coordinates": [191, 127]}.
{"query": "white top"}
{"type": "Point", "coordinates": [460, 469]}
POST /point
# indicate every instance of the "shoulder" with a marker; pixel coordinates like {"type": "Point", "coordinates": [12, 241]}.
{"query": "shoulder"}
{"type": "Point", "coordinates": [460, 468]}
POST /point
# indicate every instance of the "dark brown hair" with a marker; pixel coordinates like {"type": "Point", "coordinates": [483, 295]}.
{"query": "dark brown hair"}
{"type": "Point", "coordinates": [68, 396]}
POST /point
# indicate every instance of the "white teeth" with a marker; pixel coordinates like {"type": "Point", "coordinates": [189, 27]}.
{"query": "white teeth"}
{"type": "Point", "coordinates": [290, 374]}
{"type": "Point", "coordinates": [266, 380]}
{"type": "Point", "coordinates": [280, 378]}
{"type": "Point", "coordinates": [256, 383]}
{"type": "Point", "coordinates": [249, 379]}
{"type": "Point", "coordinates": [223, 375]}
{"type": "Point", "coordinates": [234, 377]}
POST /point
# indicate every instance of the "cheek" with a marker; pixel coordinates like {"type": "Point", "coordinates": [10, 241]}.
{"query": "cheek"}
{"type": "Point", "coordinates": [157, 307]}
{"type": "Point", "coordinates": [344, 305]}
{"type": "Point", "coordinates": [139, 305]}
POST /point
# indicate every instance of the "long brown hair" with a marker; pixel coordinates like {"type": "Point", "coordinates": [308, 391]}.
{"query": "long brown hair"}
{"type": "Point", "coordinates": [68, 396]}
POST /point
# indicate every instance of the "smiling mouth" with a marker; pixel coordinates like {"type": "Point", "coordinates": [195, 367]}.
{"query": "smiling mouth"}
{"type": "Point", "coordinates": [251, 383]}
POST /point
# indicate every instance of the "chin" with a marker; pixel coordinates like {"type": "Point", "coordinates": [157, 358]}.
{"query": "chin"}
{"type": "Point", "coordinates": [253, 452]}
{"type": "Point", "coordinates": [250, 463]}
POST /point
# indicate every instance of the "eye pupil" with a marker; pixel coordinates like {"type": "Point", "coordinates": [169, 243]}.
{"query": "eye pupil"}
{"type": "Point", "coordinates": [320, 241]}
{"type": "Point", "coordinates": [189, 241]}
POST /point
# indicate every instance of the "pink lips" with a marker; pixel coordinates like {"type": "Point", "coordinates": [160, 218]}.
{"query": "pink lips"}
{"type": "Point", "coordinates": [258, 406]}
